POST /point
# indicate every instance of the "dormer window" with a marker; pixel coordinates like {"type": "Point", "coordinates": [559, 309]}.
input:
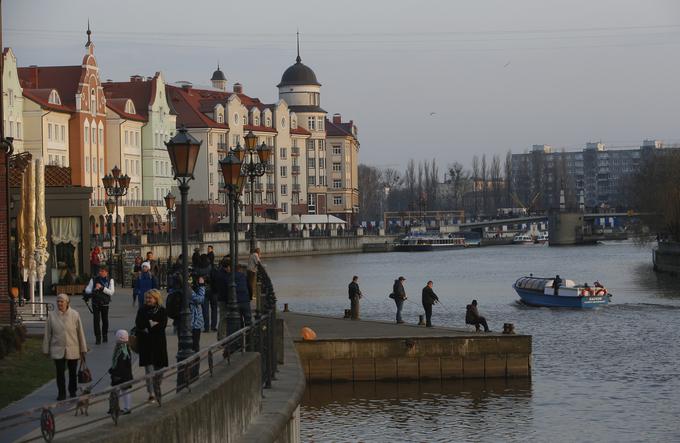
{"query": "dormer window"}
{"type": "Point", "coordinates": [268, 123]}
{"type": "Point", "coordinates": [256, 121]}
{"type": "Point", "coordinates": [54, 98]}
{"type": "Point", "coordinates": [293, 123]}
{"type": "Point", "coordinates": [220, 118]}
{"type": "Point", "coordinates": [245, 120]}
{"type": "Point", "coordinates": [130, 107]}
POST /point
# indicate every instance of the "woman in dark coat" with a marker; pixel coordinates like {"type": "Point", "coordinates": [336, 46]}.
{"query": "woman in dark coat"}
{"type": "Point", "coordinates": [150, 323]}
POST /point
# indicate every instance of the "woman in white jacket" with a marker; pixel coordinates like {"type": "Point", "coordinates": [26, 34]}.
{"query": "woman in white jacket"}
{"type": "Point", "coordinates": [64, 342]}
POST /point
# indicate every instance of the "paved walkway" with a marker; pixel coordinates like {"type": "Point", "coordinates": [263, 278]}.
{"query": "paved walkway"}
{"type": "Point", "coordinates": [121, 316]}
{"type": "Point", "coordinates": [338, 328]}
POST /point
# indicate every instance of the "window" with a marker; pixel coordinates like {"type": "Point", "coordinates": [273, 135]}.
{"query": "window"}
{"type": "Point", "coordinates": [127, 167]}
{"type": "Point", "coordinates": [284, 189]}
{"type": "Point", "coordinates": [94, 165]}
{"type": "Point", "coordinates": [220, 118]}
{"type": "Point", "coordinates": [322, 163]}
{"type": "Point", "coordinates": [268, 122]}
{"type": "Point", "coordinates": [337, 184]}
{"type": "Point", "coordinates": [322, 180]}
{"type": "Point", "coordinates": [63, 160]}
{"type": "Point", "coordinates": [337, 166]}
{"type": "Point", "coordinates": [127, 142]}
{"type": "Point", "coordinates": [49, 131]}
{"type": "Point", "coordinates": [101, 136]}
{"type": "Point", "coordinates": [136, 138]}
{"type": "Point", "coordinates": [319, 123]}
{"type": "Point", "coordinates": [282, 152]}
{"type": "Point", "coordinates": [101, 165]}
{"type": "Point", "coordinates": [50, 160]}
{"type": "Point", "coordinates": [63, 133]}
{"type": "Point", "coordinates": [236, 119]}
{"type": "Point", "coordinates": [256, 121]}
{"type": "Point", "coordinates": [311, 123]}
{"type": "Point", "coordinates": [284, 171]}
{"type": "Point", "coordinates": [310, 145]}
{"type": "Point", "coordinates": [337, 199]}
{"type": "Point", "coordinates": [311, 180]}
{"type": "Point", "coordinates": [210, 139]}
{"type": "Point", "coordinates": [337, 150]}
{"type": "Point", "coordinates": [322, 145]}
{"type": "Point", "coordinates": [93, 101]}
{"type": "Point", "coordinates": [311, 163]}
{"type": "Point", "coordinates": [295, 143]}
{"type": "Point", "coordinates": [211, 179]}
{"type": "Point", "coordinates": [158, 168]}
{"type": "Point", "coordinates": [54, 98]}
{"type": "Point", "coordinates": [87, 164]}
{"type": "Point", "coordinates": [284, 207]}
{"type": "Point", "coordinates": [210, 159]}
{"type": "Point", "coordinates": [87, 133]}
{"type": "Point", "coordinates": [245, 120]}
{"type": "Point", "coordinates": [94, 135]}
{"type": "Point", "coordinates": [236, 139]}
{"type": "Point", "coordinates": [10, 96]}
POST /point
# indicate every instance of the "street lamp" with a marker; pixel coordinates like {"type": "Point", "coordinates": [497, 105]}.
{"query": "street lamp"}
{"type": "Point", "coordinates": [116, 186]}
{"type": "Point", "coordinates": [170, 206]}
{"type": "Point", "coordinates": [183, 151]}
{"type": "Point", "coordinates": [253, 169]}
{"type": "Point", "coordinates": [233, 182]}
{"type": "Point", "coordinates": [110, 209]}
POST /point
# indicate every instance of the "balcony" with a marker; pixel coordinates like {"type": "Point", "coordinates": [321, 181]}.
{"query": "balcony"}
{"type": "Point", "coordinates": [297, 188]}
{"type": "Point", "coordinates": [259, 187]}
{"type": "Point", "coordinates": [295, 170]}
{"type": "Point", "coordinates": [270, 187]}
{"type": "Point", "coordinates": [294, 151]}
{"type": "Point", "coordinates": [223, 146]}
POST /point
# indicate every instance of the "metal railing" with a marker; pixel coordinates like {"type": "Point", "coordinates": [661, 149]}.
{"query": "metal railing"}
{"type": "Point", "coordinates": [258, 337]}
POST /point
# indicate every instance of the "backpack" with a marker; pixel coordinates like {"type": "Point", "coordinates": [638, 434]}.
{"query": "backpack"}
{"type": "Point", "coordinates": [173, 304]}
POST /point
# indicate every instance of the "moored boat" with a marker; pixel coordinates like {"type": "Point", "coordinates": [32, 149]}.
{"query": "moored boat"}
{"type": "Point", "coordinates": [412, 243]}
{"type": "Point", "coordinates": [538, 291]}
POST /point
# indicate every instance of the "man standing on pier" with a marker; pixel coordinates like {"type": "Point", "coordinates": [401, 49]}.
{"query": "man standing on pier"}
{"type": "Point", "coordinates": [429, 298]}
{"type": "Point", "coordinates": [354, 296]}
{"type": "Point", "coordinates": [399, 295]}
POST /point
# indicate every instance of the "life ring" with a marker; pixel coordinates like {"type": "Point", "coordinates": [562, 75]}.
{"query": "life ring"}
{"type": "Point", "coordinates": [584, 292]}
{"type": "Point", "coordinates": [601, 291]}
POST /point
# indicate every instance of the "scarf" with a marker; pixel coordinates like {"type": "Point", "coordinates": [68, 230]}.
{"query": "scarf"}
{"type": "Point", "coordinates": [121, 349]}
{"type": "Point", "coordinates": [104, 281]}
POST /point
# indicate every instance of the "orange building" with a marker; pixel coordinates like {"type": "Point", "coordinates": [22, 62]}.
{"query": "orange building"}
{"type": "Point", "coordinates": [81, 93]}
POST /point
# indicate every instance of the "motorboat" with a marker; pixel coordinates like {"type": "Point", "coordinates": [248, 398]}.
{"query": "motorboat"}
{"type": "Point", "coordinates": [426, 242]}
{"type": "Point", "coordinates": [539, 291]}
{"type": "Point", "coordinates": [523, 239]}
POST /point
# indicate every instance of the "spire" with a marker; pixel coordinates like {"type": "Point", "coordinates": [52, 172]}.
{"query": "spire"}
{"type": "Point", "coordinates": [298, 59]}
{"type": "Point", "coordinates": [89, 33]}
{"type": "Point", "coordinates": [218, 65]}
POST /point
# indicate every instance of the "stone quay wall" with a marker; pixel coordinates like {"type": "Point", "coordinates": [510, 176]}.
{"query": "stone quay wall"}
{"type": "Point", "coordinates": [667, 257]}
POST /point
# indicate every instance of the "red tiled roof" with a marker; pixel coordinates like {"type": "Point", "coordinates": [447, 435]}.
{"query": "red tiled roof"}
{"type": "Point", "coordinates": [42, 96]}
{"type": "Point", "coordinates": [259, 128]}
{"type": "Point", "coordinates": [118, 106]}
{"type": "Point", "coordinates": [187, 103]}
{"type": "Point", "coordinates": [64, 79]}
{"type": "Point", "coordinates": [140, 92]}
{"type": "Point", "coordinates": [300, 131]}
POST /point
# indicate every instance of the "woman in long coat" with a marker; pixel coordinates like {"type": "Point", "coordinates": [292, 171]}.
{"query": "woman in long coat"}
{"type": "Point", "coordinates": [64, 341]}
{"type": "Point", "coordinates": [150, 323]}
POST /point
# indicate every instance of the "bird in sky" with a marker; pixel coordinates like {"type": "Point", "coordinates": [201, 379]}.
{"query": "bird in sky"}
{"type": "Point", "coordinates": [432, 113]}
{"type": "Point", "coordinates": [507, 64]}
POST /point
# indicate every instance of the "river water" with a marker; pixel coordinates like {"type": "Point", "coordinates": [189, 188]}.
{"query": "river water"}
{"type": "Point", "coordinates": [611, 374]}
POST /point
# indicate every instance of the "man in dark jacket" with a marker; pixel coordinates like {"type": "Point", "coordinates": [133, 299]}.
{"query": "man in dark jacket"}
{"type": "Point", "coordinates": [399, 295]}
{"type": "Point", "coordinates": [100, 289]}
{"type": "Point", "coordinates": [354, 296]}
{"type": "Point", "coordinates": [429, 298]}
{"type": "Point", "coordinates": [472, 317]}
{"type": "Point", "coordinates": [211, 255]}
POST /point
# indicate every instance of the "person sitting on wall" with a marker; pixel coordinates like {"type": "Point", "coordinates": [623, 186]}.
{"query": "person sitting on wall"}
{"type": "Point", "coordinates": [472, 317]}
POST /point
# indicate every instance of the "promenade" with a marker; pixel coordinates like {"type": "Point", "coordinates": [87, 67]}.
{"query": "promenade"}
{"type": "Point", "coordinates": [121, 316]}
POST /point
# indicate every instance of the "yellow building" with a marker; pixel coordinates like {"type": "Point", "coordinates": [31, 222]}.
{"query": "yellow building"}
{"type": "Point", "coordinates": [343, 177]}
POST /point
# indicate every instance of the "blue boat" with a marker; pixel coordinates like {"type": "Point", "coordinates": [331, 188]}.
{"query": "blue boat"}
{"type": "Point", "coordinates": [538, 291]}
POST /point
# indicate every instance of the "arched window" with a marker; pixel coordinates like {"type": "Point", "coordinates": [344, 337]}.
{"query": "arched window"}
{"type": "Point", "coordinates": [257, 121]}
{"type": "Point", "coordinates": [220, 118]}
{"type": "Point", "coordinates": [269, 122]}
{"type": "Point", "coordinates": [86, 131]}
{"type": "Point", "coordinates": [93, 101]}
{"type": "Point", "coordinates": [236, 119]}
{"type": "Point", "coordinates": [54, 98]}
{"type": "Point", "coordinates": [130, 107]}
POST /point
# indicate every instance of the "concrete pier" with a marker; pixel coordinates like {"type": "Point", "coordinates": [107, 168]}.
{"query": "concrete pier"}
{"type": "Point", "coordinates": [347, 350]}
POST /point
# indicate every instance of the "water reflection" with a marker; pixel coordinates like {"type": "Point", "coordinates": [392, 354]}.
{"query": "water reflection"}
{"type": "Point", "coordinates": [450, 410]}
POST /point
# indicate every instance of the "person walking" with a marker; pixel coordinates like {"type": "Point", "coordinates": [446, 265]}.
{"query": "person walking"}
{"type": "Point", "coordinates": [196, 258]}
{"type": "Point", "coordinates": [211, 255]}
{"type": "Point", "coordinates": [153, 348]}
{"type": "Point", "coordinates": [145, 282]}
{"type": "Point", "coordinates": [243, 297]}
{"type": "Point", "coordinates": [95, 260]}
{"type": "Point", "coordinates": [100, 289]}
{"type": "Point", "coordinates": [253, 262]}
{"type": "Point", "coordinates": [354, 296]}
{"type": "Point", "coordinates": [196, 307]}
{"type": "Point", "coordinates": [219, 285]}
{"type": "Point", "coordinates": [64, 342]}
{"type": "Point", "coordinates": [472, 317]}
{"type": "Point", "coordinates": [429, 299]}
{"type": "Point", "coordinates": [153, 263]}
{"type": "Point", "coordinates": [121, 369]}
{"type": "Point", "coordinates": [399, 295]}
{"type": "Point", "coordinates": [209, 305]}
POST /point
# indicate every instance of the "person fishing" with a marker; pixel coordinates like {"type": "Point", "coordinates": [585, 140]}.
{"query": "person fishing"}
{"type": "Point", "coordinates": [429, 299]}
{"type": "Point", "coordinates": [399, 295]}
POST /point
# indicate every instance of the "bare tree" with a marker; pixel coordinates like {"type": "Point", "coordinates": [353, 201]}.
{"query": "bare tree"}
{"type": "Point", "coordinates": [484, 178]}
{"type": "Point", "coordinates": [657, 193]}
{"type": "Point", "coordinates": [509, 188]}
{"type": "Point", "coordinates": [496, 182]}
{"type": "Point", "coordinates": [475, 179]}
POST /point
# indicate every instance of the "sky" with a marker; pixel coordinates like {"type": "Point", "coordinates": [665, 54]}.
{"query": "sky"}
{"type": "Point", "coordinates": [443, 79]}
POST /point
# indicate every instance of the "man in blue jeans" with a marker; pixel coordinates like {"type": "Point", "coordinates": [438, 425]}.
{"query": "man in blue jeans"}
{"type": "Point", "coordinates": [399, 295]}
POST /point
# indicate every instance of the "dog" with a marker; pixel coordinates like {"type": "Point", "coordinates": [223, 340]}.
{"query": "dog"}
{"type": "Point", "coordinates": [83, 401]}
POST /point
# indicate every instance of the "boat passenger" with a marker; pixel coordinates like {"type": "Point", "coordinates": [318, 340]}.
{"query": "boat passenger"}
{"type": "Point", "coordinates": [597, 284]}
{"type": "Point", "coordinates": [556, 284]}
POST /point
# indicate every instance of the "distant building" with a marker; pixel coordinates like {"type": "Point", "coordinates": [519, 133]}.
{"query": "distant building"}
{"type": "Point", "coordinates": [343, 153]}
{"type": "Point", "coordinates": [601, 175]}
{"type": "Point", "coordinates": [13, 103]}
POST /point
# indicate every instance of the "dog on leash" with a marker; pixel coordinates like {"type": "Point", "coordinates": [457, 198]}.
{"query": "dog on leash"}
{"type": "Point", "coordinates": [83, 401]}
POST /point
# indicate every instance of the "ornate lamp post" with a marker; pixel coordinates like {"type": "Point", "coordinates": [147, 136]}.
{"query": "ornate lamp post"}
{"type": "Point", "coordinates": [170, 206]}
{"type": "Point", "coordinates": [233, 181]}
{"type": "Point", "coordinates": [110, 209]}
{"type": "Point", "coordinates": [183, 150]}
{"type": "Point", "coordinates": [253, 169]}
{"type": "Point", "coordinates": [116, 186]}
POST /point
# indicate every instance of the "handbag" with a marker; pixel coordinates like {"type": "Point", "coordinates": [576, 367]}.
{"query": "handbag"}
{"type": "Point", "coordinates": [132, 340]}
{"type": "Point", "coordinates": [392, 296]}
{"type": "Point", "coordinates": [84, 374]}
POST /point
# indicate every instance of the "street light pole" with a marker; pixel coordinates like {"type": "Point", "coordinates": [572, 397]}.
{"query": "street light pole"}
{"type": "Point", "coordinates": [116, 186]}
{"type": "Point", "coordinates": [253, 169]}
{"type": "Point", "coordinates": [170, 206]}
{"type": "Point", "coordinates": [110, 208]}
{"type": "Point", "coordinates": [183, 150]}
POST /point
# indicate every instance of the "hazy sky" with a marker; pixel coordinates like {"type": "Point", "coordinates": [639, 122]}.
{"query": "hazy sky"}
{"type": "Point", "coordinates": [498, 74]}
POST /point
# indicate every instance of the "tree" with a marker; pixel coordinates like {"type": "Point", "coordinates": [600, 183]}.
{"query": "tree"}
{"type": "Point", "coordinates": [657, 193]}
{"type": "Point", "coordinates": [475, 178]}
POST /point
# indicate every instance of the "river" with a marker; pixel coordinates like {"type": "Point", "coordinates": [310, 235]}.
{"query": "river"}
{"type": "Point", "coordinates": [610, 374]}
